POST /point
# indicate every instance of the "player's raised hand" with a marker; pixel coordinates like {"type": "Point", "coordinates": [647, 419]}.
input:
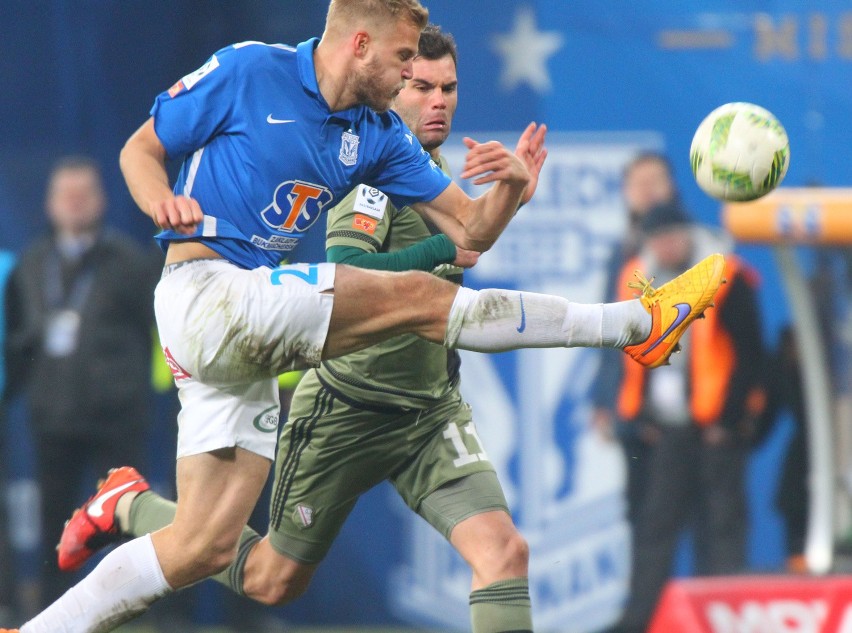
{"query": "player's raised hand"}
{"type": "Point", "coordinates": [466, 258]}
{"type": "Point", "coordinates": [531, 150]}
{"type": "Point", "coordinates": [179, 213]}
{"type": "Point", "coordinates": [490, 162]}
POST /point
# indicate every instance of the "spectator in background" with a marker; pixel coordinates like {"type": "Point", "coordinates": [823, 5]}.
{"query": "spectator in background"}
{"type": "Point", "coordinates": [648, 180]}
{"type": "Point", "coordinates": [785, 392]}
{"type": "Point", "coordinates": [700, 411]}
{"type": "Point", "coordinates": [7, 599]}
{"type": "Point", "coordinates": [80, 321]}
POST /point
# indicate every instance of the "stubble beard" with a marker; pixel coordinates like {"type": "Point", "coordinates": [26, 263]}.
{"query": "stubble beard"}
{"type": "Point", "coordinates": [370, 92]}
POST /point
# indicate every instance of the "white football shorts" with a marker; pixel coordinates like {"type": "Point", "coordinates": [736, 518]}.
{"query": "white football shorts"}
{"type": "Point", "coordinates": [227, 333]}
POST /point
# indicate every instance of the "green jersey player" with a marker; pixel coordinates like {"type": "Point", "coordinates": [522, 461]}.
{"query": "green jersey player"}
{"type": "Point", "coordinates": [394, 411]}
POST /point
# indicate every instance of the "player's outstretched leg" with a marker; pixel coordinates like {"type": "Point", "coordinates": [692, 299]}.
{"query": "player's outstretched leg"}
{"type": "Point", "coordinates": [371, 306]}
{"type": "Point", "coordinates": [647, 328]}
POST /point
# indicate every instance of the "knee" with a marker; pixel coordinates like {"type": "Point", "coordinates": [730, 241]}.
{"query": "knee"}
{"type": "Point", "coordinates": [212, 557]}
{"type": "Point", "coordinates": [508, 558]}
{"type": "Point", "coordinates": [279, 587]}
{"type": "Point", "coordinates": [516, 556]}
{"type": "Point", "coordinates": [277, 595]}
{"type": "Point", "coordinates": [193, 557]}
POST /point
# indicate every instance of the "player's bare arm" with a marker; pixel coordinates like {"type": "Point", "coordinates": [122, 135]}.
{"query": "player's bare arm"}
{"type": "Point", "coordinates": [531, 150]}
{"type": "Point", "coordinates": [143, 164]}
{"type": "Point", "coordinates": [474, 224]}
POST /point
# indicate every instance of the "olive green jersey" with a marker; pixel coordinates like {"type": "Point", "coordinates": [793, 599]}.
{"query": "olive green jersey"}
{"type": "Point", "coordinates": [405, 371]}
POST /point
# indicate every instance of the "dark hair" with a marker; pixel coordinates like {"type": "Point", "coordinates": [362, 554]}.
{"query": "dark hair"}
{"type": "Point", "coordinates": [435, 44]}
{"type": "Point", "coordinates": [648, 157]}
{"type": "Point", "coordinates": [664, 217]}
{"type": "Point", "coordinates": [76, 162]}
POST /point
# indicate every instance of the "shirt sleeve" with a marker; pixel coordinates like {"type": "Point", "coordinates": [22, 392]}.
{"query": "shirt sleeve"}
{"type": "Point", "coordinates": [425, 256]}
{"type": "Point", "coordinates": [362, 219]}
{"type": "Point", "coordinates": [406, 172]}
{"type": "Point", "coordinates": [199, 105]}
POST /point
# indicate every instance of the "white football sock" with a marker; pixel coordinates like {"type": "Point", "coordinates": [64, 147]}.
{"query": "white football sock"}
{"type": "Point", "coordinates": [125, 583]}
{"type": "Point", "coordinates": [625, 323]}
{"type": "Point", "coordinates": [500, 320]}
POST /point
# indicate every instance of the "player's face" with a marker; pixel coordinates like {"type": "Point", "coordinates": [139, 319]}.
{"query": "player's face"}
{"type": "Point", "coordinates": [75, 200]}
{"type": "Point", "coordinates": [384, 70]}
{"type": "Point", "coordinates": [647, 185]}
{"type": "Point", "coordinates": [428, 102]}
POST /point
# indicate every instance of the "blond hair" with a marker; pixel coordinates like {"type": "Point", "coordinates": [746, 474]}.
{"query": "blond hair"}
{"type": "Point", "coordinates": [347, 12]}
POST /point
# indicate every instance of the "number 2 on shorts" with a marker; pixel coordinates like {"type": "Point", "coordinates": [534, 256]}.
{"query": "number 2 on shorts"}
{"type": "Point", "coordinates": [309, 277]}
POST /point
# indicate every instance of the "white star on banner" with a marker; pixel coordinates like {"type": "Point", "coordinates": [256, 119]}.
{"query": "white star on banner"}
{"type": "Point", "coordinates": [525, 52]}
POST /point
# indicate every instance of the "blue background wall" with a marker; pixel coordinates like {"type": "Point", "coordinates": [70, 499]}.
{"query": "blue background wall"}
{"type": "Point", "coordinates": [80, 76]}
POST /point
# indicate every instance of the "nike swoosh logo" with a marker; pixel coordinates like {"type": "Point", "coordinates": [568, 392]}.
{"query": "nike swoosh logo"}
{"type": "Point", "coordinates": [683, 310]}
{"type": "Point", "coordinates": [523, 325]}
{"type": "Point", "coordinates": [97, 507]}
{"type": "Point", "coordinates": [269, 119]}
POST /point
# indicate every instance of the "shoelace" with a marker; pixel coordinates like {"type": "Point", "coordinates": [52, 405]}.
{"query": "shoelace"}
{"type": "Point", "coordinates": [643, 285]}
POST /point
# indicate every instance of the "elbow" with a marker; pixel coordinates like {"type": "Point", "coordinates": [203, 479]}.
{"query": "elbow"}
{"type": "Point", "coordinates": [125, 156]}
{"type": "Point", "coordinates": [475, 243]}
{"type": "Point", "coordinates": [471, 239]}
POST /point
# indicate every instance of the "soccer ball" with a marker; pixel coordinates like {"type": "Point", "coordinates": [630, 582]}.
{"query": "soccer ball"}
{"type": "Point", "coordinates": [739, 152]}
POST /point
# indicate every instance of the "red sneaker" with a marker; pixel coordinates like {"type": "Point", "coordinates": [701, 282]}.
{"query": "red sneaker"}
{"type": "Point", "coordinates": [93, 526]}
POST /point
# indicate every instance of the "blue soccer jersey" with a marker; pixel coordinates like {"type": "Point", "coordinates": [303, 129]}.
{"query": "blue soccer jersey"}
{"type": "Point", "coordinates": [265, 156]}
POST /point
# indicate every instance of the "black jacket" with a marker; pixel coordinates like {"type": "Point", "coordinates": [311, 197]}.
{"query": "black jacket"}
{"type": "Point", "coordinates": [103, 387]}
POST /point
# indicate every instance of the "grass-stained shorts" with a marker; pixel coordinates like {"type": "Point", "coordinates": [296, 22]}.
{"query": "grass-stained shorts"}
{"type": "Point", "coordinates": [333, 449]}
{"type": "Point", "coordinates": [226, 334]}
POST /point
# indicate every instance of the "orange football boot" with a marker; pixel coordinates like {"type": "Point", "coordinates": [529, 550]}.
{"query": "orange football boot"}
{"type": "Point", "coordinates": [673, 306]}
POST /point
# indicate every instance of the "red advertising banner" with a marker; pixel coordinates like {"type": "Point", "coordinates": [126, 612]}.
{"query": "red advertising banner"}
{"type": "Point", "coordinates": [756, 604]}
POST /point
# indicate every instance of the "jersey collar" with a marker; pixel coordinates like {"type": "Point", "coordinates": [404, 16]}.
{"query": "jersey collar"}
{"type": "Point", "coordinates": [308, 76]}
{"type": "Point", "coordinates": [307, 71]}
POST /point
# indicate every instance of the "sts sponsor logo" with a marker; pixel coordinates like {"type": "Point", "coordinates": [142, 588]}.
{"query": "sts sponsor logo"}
{"type": "Point", "coordinates": [296, 205]}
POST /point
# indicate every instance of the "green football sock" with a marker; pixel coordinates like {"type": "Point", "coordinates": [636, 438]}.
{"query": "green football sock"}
{"type": "Point", "coordinates": [502, 607]}
{"type": "Point", "coordinates": [150, 512]}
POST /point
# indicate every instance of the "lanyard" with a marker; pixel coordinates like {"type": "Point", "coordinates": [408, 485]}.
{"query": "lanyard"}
{"type": "Point", "coordinates": [81, 285]}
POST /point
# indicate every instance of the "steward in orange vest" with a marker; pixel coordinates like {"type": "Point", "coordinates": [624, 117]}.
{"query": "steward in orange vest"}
{"type": "Point", "coordinates": [697, 417]}
{"type": "Point", "coordinates": [724, 361]}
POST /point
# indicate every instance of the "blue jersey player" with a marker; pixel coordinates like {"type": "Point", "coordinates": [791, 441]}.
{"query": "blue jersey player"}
{"type": "Point", "coordinates": [270, 136]}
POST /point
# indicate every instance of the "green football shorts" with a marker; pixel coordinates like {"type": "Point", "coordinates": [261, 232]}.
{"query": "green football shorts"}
{"type": "Point", "coordinates": [333, 449]}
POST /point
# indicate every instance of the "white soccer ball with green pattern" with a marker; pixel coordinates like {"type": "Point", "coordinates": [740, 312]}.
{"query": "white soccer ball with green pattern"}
{"type": "Point", "coordinates": [739, 152]}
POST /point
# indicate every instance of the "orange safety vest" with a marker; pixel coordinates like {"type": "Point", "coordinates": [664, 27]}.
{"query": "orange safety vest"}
{"type": "Point", "coordinates": [712, 358]}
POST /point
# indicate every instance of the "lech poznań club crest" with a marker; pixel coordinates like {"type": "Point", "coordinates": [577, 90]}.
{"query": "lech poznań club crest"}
{"type": "Point", "coordinates": [349, 148]}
